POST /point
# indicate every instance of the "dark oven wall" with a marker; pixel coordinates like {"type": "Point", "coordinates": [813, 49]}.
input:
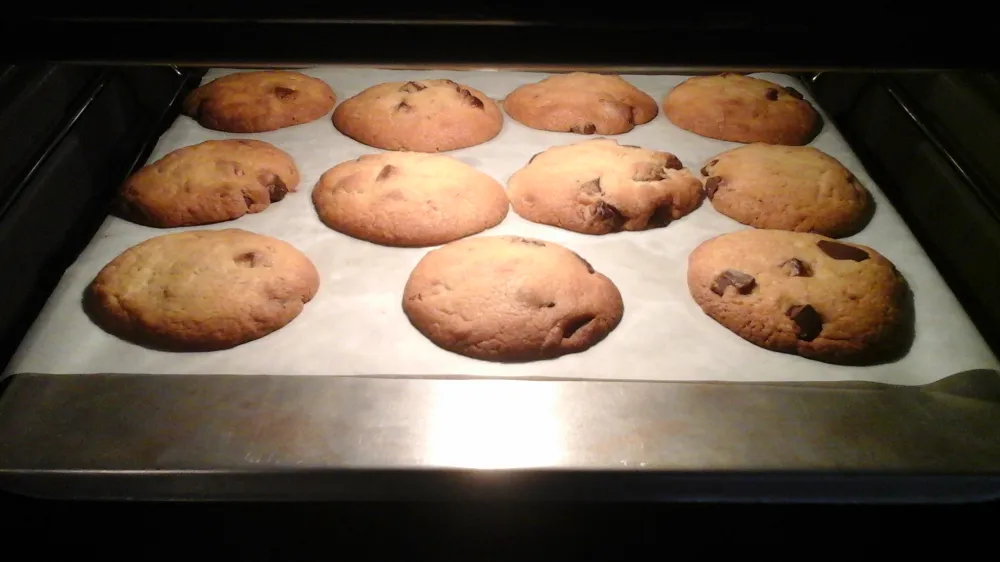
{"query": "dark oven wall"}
{"type": "Point", "coordinates": [69, 134]}
{"type": "Point", "coordinates": [930, 141]}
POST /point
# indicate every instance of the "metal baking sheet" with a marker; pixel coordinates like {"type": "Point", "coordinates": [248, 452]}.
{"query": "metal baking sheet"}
{"type": "Point", "coordinates": [356, 326]}
{"type": "Point", "coordinates": [208, 437]}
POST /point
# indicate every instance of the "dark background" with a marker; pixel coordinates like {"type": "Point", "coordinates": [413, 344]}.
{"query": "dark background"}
{"type": "Point", "coordinates": [506, 531]}
{"type": "Point", "coordinates": [842, 34]}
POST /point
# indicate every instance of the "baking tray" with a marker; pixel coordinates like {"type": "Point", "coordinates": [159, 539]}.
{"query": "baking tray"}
{"type": "Point", "coordinates": [690, 383]}
{"type": "Point", "coordinates": [663, 336]}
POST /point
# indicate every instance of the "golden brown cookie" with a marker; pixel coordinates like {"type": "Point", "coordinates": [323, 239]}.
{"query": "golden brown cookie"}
{"type": "Point", "coordinates": [259, 101]}
{"type": "Point", "coordinates": [801, 293]}
{"type": "Point", "coordinates": [202, 290]}
{"type": "Point", "coordinates": [209, 182]}
{"type": "Point", "coordinates": [581, 102]}
{"type": "Point", "coordinates": [599, 186]}
{"type": "Point", "coordinates": [508, 298]}
{"type": "Point", "coordinates": [796, 188]}
{"type": "Point", "coordinates": [421, 115]}
{"type": "Point", "coordinates": [739, 108]}
{"type": "Point", "coordinates": [409, 199]}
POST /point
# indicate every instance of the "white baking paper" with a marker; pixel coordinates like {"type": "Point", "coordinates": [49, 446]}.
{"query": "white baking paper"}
{"type": "Point", "coordinates": [356, 325]}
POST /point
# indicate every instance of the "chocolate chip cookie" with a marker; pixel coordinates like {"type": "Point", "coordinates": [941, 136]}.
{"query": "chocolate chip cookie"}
{"type": "Point", "coordinates": [202, 290]}
{"type": "Point", "coordinates": [738, 108]}
{"type": "Point", "coordinates": [801, 293]}
{"type": "Point", "coordinates": [409, 199]}
{"type": "Point", "coordinates": [259, 101]}
{"type": "Point", "coordinates": [796, 188]}
{"type": "Point", "coordinates": [599, 186]}
{"type": "Point", "coordinates": [421, 116]}
{"type": "Point", "coordinates": [581, 102]}
{"type": "Point", "coordinates": [209, 182]}
{"type": "Point", "coordinates": [508, 298]}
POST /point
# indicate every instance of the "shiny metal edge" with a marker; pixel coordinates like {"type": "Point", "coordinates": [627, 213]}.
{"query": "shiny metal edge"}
{"type": "Point", "coordinates": [982, 193]}
{"type": "Point", "coordinates": [289, 437]}
{"type": "Point", "coordinates": [73, 114]}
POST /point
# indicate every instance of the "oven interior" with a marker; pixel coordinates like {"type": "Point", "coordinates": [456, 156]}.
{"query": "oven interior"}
{"type": "Point", "coordinates": [72, 131]}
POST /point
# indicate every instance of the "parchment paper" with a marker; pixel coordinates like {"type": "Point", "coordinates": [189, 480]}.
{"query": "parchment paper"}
{"type": "Point", "coordinates": [356, 326]}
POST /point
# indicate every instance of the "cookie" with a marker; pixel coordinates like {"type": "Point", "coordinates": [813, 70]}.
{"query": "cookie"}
{"type": "Point", "coordinates": [409, 199]}
{"type": "Point", "coordinates": [801, 293]}
{"type": "Point", "coordinates": [508, 298]}
{"type": "Point", "coordinates": [599, 186]}
{"type": "Point", "coordinates": [202, 290]}
{"type": "Point", "coordinates": [209, 182]}
{"type": "Point", "coordinates": [581, 102]}
{"type": "Point", "coordinates": [738, 108]}
{"type": "Point", "coordinates": [259, 101]}
{"type": "Point", "coordinates": [797, 188]}
{"type": "Point", "coordinates": [420, 116]}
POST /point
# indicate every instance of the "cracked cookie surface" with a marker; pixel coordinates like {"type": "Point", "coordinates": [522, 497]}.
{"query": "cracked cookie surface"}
{"type": "Point", "coordinates": [510, 298]}
{"type": "Point", "coordinates": [409, 199]}
{"type": "Point", "coordinates": [738, 108]}
{"type": "Point", "coordinates": [259, 101]}
{"type": "Point", "coordinates": [209, 182]}
{"type": "Point", "coordinates": [599, 186]}
{"type": "Point", "coordinates": [797, 188]}
{"type": "Point", "coordinates": [801, 293]}
{"type": "Point", "coordinates": [436, 115]}
{"type": "Point", "coordinates": [202, 290]}
{"type": "Point", "coordinates": [581, 102]}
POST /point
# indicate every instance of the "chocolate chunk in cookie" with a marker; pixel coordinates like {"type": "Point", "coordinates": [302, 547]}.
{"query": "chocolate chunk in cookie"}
{"type": "Point", "coordinates": [795, 268]}
{"type": "Point", "coordinates": [740, 281]}
{"type": "Point", "coordinates": [712, 185]}
{"type": "Point", "coordinates": [839, 251]}
{"type": "Point", "coordinates": [386, 171]}
{"type": "Point", "coordinates": [611, 218]}
{"type": "Point", "coordinates": [471, 99]}
{"type": "Point", "coordinates": [809, 322]}
{"type": "Point", "coordinates": [412, 87]}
